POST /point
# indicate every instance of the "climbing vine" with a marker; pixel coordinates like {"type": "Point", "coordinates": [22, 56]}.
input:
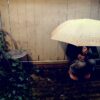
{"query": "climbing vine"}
{"type": "Point", "coordinates": [14, 81]}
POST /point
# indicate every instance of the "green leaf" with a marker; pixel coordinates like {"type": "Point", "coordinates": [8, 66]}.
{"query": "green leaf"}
{"type": "Point", "coordinates": [14, 64]}
{"type": "Point", "coordinates": [2, 99]}
{"type": "Point", "coordinates": [20, 98]}
{"type": "Point", "coordinates": [13, 70]}
{"type": "Point", "coordinates": [13, 91]}
{"type": "Point", "coordinates": [19, 85]}
{"type": "Point", "coordinates": [9, 95]}
{"type": "Point", "coordinates": [2, 73]}
{"type": "Point", "coordinates": [21, 78]}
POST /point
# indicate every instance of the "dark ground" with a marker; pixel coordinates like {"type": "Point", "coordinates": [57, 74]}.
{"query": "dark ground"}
{"type": "Point", "coordinates": [55, 84]}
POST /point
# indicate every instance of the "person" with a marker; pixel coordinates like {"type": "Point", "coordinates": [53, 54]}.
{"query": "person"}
{"type": "Point", "coordinates": [81, 61]}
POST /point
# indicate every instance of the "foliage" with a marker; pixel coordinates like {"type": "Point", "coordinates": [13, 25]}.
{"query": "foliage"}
{"type": "Point", "coordinates": [14, 82]}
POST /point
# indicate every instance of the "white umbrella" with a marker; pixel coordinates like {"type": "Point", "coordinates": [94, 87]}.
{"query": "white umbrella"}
{"type": "Point", "coordinates": [80, 32]}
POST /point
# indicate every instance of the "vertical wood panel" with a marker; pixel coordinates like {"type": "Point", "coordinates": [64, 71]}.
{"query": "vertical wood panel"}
{"type": "Point", "coordinates": [94, 14]}
{"type": "Point", "coordinates": [13, 19]}
{"type": "Point", "coordinates": [52, 17]}
{"type": "Point", "coordinates": [49, 15]}
{"type": "Point", "coordinates": [62, 12]}
{"type": "Point", "coordinates": [83, 8]}
{"type": "Point", "coordinates": [49, 18]}
{"type": "Point", "coordinates": [5, 19]}
{"type": "Point", "coordinates": [31, 29]}
{"type": "Point", "coordinates": [71, 9]}
{"type": "Point", "coordinates": [0, 13]}
{"type": "Point", "coordinates": [5, 15]}
{"type": "Point", "coordinates": [23, 40]}
{"type": "Point", "coordinates": [39, 26]}
{"type": "Point", "coordinates": [99, 10]}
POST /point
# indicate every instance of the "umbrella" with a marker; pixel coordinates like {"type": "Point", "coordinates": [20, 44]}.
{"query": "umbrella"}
{"type": "Point", "coordinates": [80, 32]}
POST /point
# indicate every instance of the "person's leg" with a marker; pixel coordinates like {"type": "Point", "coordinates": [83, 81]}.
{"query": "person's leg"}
{"type": "Point", "coordinates": [92, 63]}
{"type": "Point", "coordinates": [75, 72]}
{"type": "Point", "coordinates": [71, 70]}
{"type": "Point", "coordinates": [72, 76]}
{"type": "Point", "coordinates": [90, 68]}
{"type": "Point", "coordinates": [81, 64]}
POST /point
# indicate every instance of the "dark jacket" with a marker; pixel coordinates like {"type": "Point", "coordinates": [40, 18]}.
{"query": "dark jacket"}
{"type": "Point", "coordinates": [73, 51]}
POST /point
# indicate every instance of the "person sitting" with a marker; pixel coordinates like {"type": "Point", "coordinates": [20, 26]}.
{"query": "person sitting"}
{"type": "Point", "coordinates": [81, 61]}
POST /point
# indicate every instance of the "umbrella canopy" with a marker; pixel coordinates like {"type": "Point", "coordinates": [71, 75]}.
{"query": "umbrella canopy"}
{"type": "Point", "coordinates": [80, 32]}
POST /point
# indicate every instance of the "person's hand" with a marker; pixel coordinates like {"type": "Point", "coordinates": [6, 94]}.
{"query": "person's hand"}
{"type": "Point", "coordinates": [85, 50]}
{"type": "Point", "coordinates": [81, 57]}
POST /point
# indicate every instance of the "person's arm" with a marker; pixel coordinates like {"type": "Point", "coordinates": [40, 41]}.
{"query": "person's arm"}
{"type": "Point", "coordinates": [81, 57]}
{"type": "Point", "coordinates": [72, 52]}
{"type": "Point", "coordinates": [94, 52]}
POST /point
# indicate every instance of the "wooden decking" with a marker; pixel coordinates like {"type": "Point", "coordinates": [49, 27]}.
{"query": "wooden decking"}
{"type": "Point", "coordinates": [56, 85]}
